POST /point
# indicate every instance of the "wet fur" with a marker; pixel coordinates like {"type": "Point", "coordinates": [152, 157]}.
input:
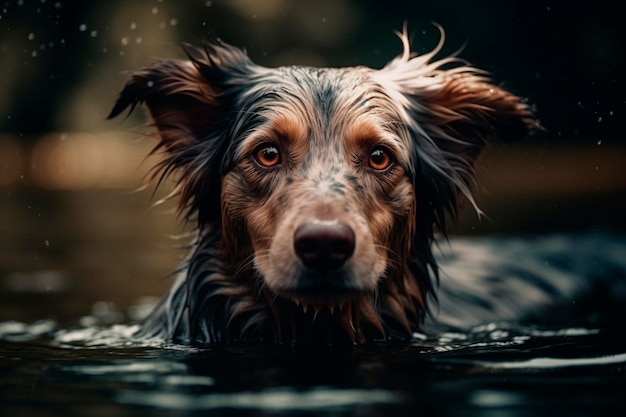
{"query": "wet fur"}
{"type": "Point", "coordinates": [241, 279]}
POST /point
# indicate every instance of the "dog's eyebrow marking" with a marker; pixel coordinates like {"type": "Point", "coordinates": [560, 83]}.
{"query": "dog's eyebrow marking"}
{"type": "Point", "coordinates": [362, 136]}
{"type": "Point", "coordinates": [285, 130]}
{"type": "Point", "coordinates": [360, 131]}
{"type": "Point", "coordinates": [290, 128]}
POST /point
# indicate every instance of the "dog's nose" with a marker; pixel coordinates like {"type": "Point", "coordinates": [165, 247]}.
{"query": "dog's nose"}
{"type": "Point", "coordinates": [324, 245]}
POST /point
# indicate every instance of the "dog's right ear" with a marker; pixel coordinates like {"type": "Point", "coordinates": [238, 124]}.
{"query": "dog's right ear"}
{"type": "Point", "coordinates": [183, 105]}
{"type": "Point", "coordinates": [190, 107]}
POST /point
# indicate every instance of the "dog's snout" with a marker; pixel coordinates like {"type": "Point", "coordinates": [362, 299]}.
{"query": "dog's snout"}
{"type": "Point", "coordinates": [324, 246]}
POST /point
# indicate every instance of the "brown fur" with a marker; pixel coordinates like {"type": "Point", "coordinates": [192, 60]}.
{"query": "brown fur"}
{"type": "Point", "coordinates": [243, 279]}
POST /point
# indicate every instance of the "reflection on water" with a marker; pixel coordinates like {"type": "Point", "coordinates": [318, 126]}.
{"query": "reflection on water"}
{"type": "Point", "coordinates": [319, 399]}
{"type": "Point", "coordinates": [618, 360]}
{"type": "Point", "coordinates": [497, 367]}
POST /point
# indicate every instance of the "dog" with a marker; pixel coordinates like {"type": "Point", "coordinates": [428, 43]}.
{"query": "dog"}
{"type": "Point", "coordinates": [317, 192]}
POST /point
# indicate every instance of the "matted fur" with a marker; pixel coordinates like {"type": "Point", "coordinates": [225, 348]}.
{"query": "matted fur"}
{"type": "Point", "coordinates": [243, 279]}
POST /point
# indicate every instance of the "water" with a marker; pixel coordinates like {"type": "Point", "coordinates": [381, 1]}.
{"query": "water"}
{"type": "Point", "coordinates": [495, 369]}
{"type": "Point", "coordinates": [77, 268]}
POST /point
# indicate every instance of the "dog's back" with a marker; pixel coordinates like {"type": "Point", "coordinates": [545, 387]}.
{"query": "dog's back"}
{"type": "Point", "coordinates": [560, 279]}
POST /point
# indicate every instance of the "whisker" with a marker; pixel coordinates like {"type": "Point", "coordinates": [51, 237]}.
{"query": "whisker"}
{"type": "Point", "coordinates": [244, 265]}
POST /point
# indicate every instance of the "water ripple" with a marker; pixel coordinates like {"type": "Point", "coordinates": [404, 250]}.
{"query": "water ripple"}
{"type": "Point", "coordinates": [554, 363]}
{"type": "Point", "coordinates": [283, 399]}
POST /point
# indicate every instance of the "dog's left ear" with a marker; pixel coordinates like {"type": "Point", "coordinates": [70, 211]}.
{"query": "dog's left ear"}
{"type": "Point", "coordinates": [462, 111]}
{"type": "Point", "coordinates": [452, 110]}
{"type": "Point", "coordinates": [453, 104]}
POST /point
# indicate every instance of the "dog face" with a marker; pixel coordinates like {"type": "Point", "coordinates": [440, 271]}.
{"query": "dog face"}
{"type": "Point", "coordinates": [322, 186]}
{"type": "Point", "coordinates": [318, 186]}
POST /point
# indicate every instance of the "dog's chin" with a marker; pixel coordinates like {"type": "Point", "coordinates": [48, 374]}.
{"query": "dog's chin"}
{"type": "Point", "coordinates": [321, 289]}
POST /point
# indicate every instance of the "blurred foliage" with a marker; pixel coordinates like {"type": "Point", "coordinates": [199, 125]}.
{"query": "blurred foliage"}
{"type": "Point", "coordinates": [62, 61]}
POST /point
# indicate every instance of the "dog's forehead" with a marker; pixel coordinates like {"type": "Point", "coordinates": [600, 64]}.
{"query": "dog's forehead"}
{"type": "Point", "coordinates": [339, 107]}
{"type": "Point", "coordinates": [316, 89]}
{"type": "Point", "coordinates": [320, 98]}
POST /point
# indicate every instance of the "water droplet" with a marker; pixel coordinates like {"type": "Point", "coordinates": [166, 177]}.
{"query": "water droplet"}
{"type": "Point", "coordinates": [133, 26]}
{"type": "Point", "coordinates": [124, 41]}
{"type": "Point", "coordinates": [58, 5]}
{"type": "Point", "coordinates": [208, 3]}
{"type": "Point", "coordinates": [93, 33]}
{"type": "Point", "coordinates": [155, 10]}
{"type": "Point", "coordinates": [34, 54]}
{"type": "Point", "coordinates": [31, 36]}
{"type": "Point", "coordinates": [150, 83]}
{"type": "Point", "coordinates": [600, 119]}
{"type": "Point", "coordinates": [139, 39]}
{"type": "Point", "coordinates": [82, 27]}
{"type": "Point", "coordinates": [600, 142]}
{"type": "Point", "coordinates": [173, 21]}
{"type": "Point", "coordinates": [47, 242]}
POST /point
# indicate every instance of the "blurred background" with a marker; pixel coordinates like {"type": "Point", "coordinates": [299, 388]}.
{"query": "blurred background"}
{"type": "Point", "coordinates": [72, 229]}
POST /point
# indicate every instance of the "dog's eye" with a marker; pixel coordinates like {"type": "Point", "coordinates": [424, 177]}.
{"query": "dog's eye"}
{"type": "Point", "coordinates": [267, 155]}
{"type": "Point", "coordinates": [380, 159]}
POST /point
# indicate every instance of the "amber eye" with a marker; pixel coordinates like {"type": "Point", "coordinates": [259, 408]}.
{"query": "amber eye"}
{"type": "Point", "coordinates": [380, 159]}
{"type": "Point", "coordinates": [267, 155]}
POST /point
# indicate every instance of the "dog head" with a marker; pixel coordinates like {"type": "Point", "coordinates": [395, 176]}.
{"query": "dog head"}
{"type": "Point", "coordinates": [322, 187]}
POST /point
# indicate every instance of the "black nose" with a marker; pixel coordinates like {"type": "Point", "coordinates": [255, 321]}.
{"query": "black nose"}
{"type": "Point", "coordinates": [324, 245]}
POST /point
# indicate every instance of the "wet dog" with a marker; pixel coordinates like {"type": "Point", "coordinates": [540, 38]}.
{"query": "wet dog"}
{"type": "Point", "coordinates": [317, 192]}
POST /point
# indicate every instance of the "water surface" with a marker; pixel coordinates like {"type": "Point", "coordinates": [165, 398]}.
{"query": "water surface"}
{"type": "Point", "coordinates": [495, 369]}
{"type": "Point", "coordinates": [77, 268]}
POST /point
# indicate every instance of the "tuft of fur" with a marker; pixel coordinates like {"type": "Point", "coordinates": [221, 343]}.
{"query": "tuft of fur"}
{"type": "Point", "coordinates": [241, 280]}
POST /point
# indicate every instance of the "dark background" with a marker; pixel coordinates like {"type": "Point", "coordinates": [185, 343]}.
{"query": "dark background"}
{"type": "Point", "coordinates": [71, 230]}
{"type": "Point", "coordinates": [79, 247]}
{"type": "Point", "coordinates": [567, 58]}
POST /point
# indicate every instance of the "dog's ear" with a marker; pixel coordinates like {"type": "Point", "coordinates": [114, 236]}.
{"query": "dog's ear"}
{"type": "Point", "coordinates": [183, 105]}
{"type": "Point", "coordinates": [452, 111]}
{"type": "Point", "coordinates": [190, 107]}
{"type": "Point", "coordinates": [462, 110]}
